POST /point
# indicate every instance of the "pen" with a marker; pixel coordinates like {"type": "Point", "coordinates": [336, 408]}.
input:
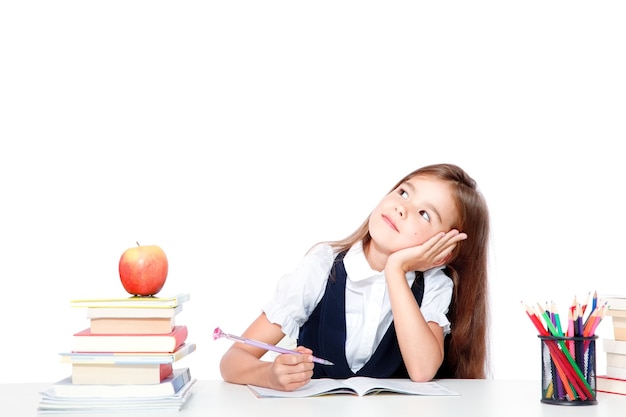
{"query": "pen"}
{"type": "Point", "coordinates": [217, 333]}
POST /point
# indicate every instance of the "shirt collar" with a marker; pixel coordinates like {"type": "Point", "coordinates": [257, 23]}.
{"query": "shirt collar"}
{"type": "Point", "coordinates": [357, 267]}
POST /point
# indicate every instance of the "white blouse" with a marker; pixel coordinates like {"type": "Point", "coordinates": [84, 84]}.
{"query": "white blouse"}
{"type": "Point", "coordinates": [368, 310]}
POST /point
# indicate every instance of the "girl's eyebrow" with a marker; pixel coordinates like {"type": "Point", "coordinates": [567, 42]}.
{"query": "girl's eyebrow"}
{"type": "Point", "coordinates": [426, 203]}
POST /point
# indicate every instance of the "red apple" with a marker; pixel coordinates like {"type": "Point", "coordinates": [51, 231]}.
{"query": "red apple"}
{"type": "Point", "coordinates": [143, 270]}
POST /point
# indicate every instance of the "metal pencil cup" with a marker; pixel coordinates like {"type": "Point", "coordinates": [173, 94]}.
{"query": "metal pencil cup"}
{"type": "Point", "coordinates": [568, 374]}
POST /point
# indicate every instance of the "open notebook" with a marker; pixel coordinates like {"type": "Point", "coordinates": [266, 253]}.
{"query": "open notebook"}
{"type": "Point", "coordinates": [356, 386]}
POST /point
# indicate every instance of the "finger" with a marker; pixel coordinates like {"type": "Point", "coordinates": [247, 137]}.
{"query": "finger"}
{"type": "Point", "coordinates": [430, 246]}
{"type": "Point", "coordinates": [456, 236]}
{"type": "Point", "coordinates": [441, 242]}
{"type": "Point", "coordinates": [443, 258]}
{"type": "Point", "coordinates": [287, 377]}
{"type": "Point", "coordinates": [450, 239]}
{"type": "Point", "coordinates": [446, 251]}
{"type": "Point", "coordinates": [303, 349]}
{"type": "Point", "coordinates": [291, 359]}
{"type": "Point", "coordinates": [295, 381]}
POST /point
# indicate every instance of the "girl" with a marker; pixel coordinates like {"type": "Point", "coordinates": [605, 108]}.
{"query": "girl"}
{"type": "Point", "coordinates": [381, 302]}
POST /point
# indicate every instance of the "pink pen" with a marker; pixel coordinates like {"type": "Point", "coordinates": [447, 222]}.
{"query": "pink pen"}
{"type": "Point", "coordinates": [217, 333]}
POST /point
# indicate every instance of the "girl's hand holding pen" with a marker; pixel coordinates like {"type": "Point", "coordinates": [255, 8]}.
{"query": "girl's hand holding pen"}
{"type": "Point", "coordinates": [291, 371]}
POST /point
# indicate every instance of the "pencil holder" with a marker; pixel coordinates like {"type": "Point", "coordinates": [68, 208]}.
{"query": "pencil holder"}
{"type": "Point", "coordinates": [568, 370]}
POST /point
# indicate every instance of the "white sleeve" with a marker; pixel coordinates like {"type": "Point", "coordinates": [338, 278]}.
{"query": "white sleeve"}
{"type": "Point", "coordinates": [297, 294]}
{"type": "Point", "coordinates": [437, 297]}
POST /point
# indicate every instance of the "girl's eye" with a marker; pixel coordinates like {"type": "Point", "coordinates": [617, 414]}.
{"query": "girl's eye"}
{"type": "Point", "coordinates": [425, 215]}
{"type": "Point", "coordinates": [404, 194]}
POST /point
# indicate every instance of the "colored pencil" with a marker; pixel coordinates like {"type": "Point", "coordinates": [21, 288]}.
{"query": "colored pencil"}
{"type": "Point", "coordinates": [565, 372]}
{"type": "Point", "coordinates": [571, 347]}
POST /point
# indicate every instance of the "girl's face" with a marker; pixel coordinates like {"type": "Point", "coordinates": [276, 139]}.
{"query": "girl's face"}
{"type": "Point", "coordinates": [412, 213]}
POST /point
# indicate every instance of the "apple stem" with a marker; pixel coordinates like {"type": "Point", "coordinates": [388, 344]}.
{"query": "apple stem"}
{"type": "Point", "coordinates": [137, 243]}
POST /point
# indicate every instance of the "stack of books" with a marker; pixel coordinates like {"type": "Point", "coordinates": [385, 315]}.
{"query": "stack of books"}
{"type": "Point", "coordinates": [614, 381]}
{"type": "Point", "coordinates": [125, 360]}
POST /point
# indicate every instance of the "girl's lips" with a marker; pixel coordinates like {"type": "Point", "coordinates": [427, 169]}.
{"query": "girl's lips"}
{"type": "Point", "coordinates": [390, 223]}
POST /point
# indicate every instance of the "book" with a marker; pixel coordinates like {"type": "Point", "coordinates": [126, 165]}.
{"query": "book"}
{"type": "Point", "coordinates": [123, 405]}
{"type": "Point", "coordinates": [614, 346]}
{"type": "Point", "coordinates": [616, 313]}
{"type": "Point", "coordinates": [113, 373]}
{"type": "Point", "coordinates": [132, 312]}
{"type": "Point", "coordinates": [610, 385]}
{"type": "Point", "coordinates": [616, 359]}
{"type": "Point", "coordinates": [128, 357]}
{"type": "Point", "coordinates": [171, 385]}
{"type": "Point", "coordinates": [615, 372]}
{"type": "Point", "coordinates": [358, 385]}
{"type": "Point", "coordinates": [119, 406]}
{"type": "Point", "coordinates": [85, 341]}
{"type": "Point", "coordinates": [131, 325]}
{"type": "Point", "coordinates": [132, 302]}
{"type": "Point", "coordinates": [615, 302]}
{"type": "Point", "coordinates": [619, 327]}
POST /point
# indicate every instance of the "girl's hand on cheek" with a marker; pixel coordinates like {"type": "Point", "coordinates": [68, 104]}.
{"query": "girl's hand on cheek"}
{"type": "Point", "coordinates": [291, 371]}
{"type": "Point", "coordinates": [434, 252]}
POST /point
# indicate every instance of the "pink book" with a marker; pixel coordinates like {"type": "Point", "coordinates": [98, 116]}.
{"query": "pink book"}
{"type": "Point", "coordinates": [85, 341]}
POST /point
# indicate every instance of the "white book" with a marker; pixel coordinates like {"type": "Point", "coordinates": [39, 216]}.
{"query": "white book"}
{"type": "Point", "coordinates": [611, 385]}
{"type": "Point", "coordinates": [616, 359]}
{"type": "Point", "coordinates": [132, 302]}
{"type": "Point", "coordinates": [359, 385]}
{"type": "Point", "coordinates": [52, 404]}
{"type": "Point", "coordinates": [614, 346]}
{"type": "Point", "coordinates": [121, 358]}
{"type": "Point", "coordinates": [615, 372]}
{"type": "Point", "coordinates": [132, 312]}
{"type": "Point", "coordinates": [170, 386]}
{"type": "Point", "coordinates": [615, 302]}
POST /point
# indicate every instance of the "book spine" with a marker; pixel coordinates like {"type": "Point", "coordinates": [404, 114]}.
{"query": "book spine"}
{"type": "Point", "coordinates": [614, 346]}
{"type": "Point", "coordinates": [130, 312]}
{"type": "Point", "coordinates": [180, 334]}
{"type": "Point", "coordinates": [165, 370]}
{"type": "Point", "coordinates": [181, 380]}
{"type": "Point", "coordinates": [616, 372]}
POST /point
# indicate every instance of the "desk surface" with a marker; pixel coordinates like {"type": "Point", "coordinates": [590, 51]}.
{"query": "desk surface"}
{"type": "Point", "coordinates": [480, 398]}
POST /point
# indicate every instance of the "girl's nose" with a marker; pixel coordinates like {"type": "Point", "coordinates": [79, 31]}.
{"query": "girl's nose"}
{"type": "Point", "coordinates": [401, 210]}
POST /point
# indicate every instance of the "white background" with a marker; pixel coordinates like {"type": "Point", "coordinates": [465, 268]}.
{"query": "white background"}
{"type": "Point", "coordinates": [236, 134]}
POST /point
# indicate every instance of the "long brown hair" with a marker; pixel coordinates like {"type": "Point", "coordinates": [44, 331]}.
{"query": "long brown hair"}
{"type": "Point", "coordinates": [466, 346]}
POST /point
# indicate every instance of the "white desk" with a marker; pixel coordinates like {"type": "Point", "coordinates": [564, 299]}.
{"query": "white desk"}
{"type": "Point", "coordinates": [480, 398]}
